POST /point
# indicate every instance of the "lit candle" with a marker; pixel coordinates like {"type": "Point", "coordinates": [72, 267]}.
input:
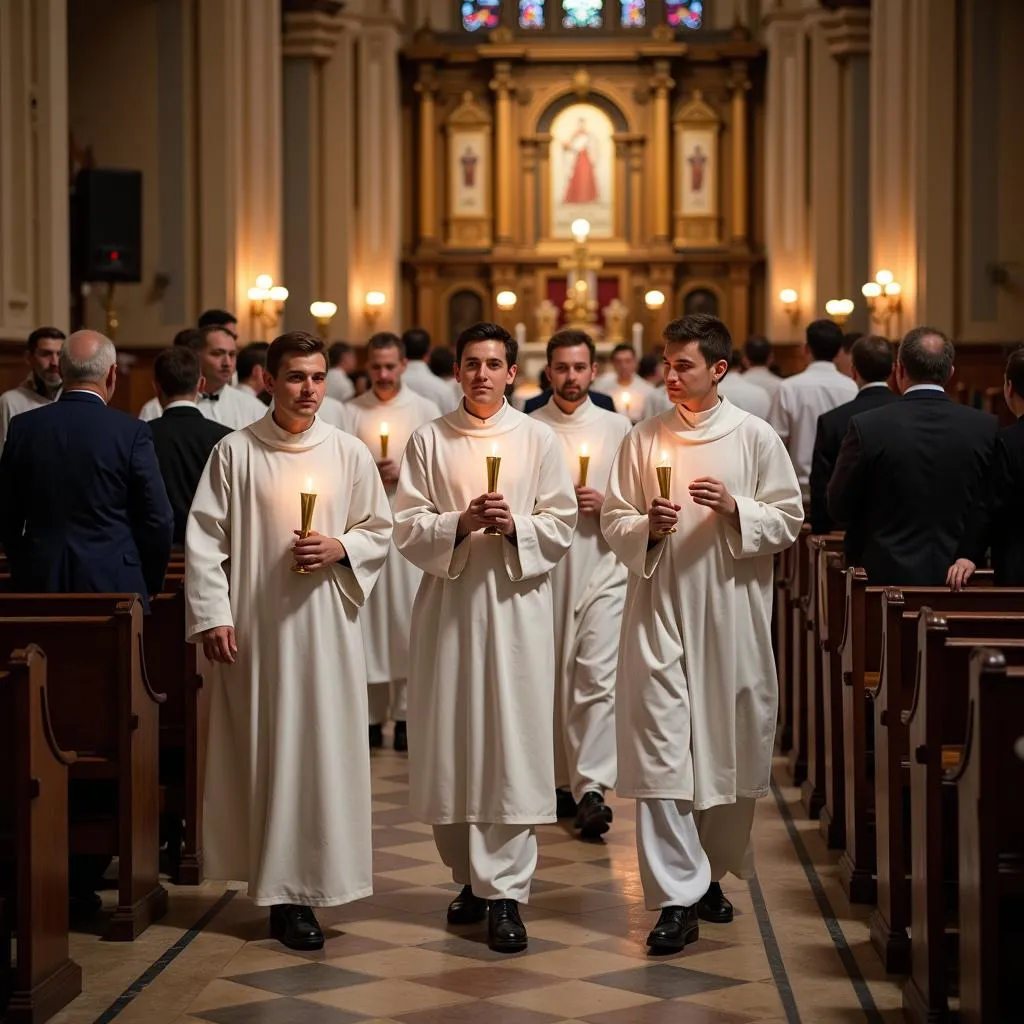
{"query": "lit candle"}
{"type": "Point", "coordinates": [638, 339]}
{"type": "Point", "coordinates": [307, 499]}
{"type": "Point", "coordinates": [520, 334]}
{"type": "Point", "coordinates": [493, 465]}
{"type": "Point", "coordinates": [664, 471]}
{"type": "Point", "coordinates": [584, 464]}
{"type": "Point", "coordinates": [383, 440]}
{"type": "Point", "coordinates": [624, 402]}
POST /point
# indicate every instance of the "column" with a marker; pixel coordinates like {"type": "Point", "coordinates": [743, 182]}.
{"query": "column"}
{"type": "Point", "coordinates": [502, 86]}
{"type": "Point", "coordinates": [636, 191]}
{"type": "Point", "coordinates": [739, 84]}
{"type": "Point", "coordinates": [621, 185]}
{"type": "Point", "coordinates": [529, 229]}
{"type": "Point", "coordinates": [426, 88]}
{"type": "Point", "coordinates": [307, 47]}
{"type": "Point", "coordinates": [33, 166]}
{"type": "Point", "coordinates": [661, 84]}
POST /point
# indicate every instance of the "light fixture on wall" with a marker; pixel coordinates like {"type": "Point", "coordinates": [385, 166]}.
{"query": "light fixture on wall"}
{"type": "Point", "coordinates": [374, 303]}
{"type": "Point", "coordinates": [790, 304]}
{"type": "Point", "coordinates": [654, 299]}
{"type": "Point", "coordinates": [884, 297]}
{"type": "Point", "coordinates": [266, 301]}
{"type": "Point", "coordinates": [323, 314]}
{"type": "Point", "coordinates": [839, 310]}
{"type": "Point", "coordinates": [506, 300]}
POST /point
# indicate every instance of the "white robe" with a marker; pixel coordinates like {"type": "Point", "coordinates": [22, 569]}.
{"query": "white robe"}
{"type": "Point", "coordinates": [656, 403]}
{"type": "Point", "coordinates": [629, 398]}
{"type": "Point", "coordinates": [696, 686]}
{"type": "Point", "coordinates": [387, 614]}
{"type": "Point", "coordinates": [288, 763]}
{"type": "Point", "coordinates": [234, 408]}
{"type": "Point", "coordinates": [21, 399]}
{"type": "Point", "coordinates": [482, 653]}
{"type": "Point", "coordinates": [588, 590]}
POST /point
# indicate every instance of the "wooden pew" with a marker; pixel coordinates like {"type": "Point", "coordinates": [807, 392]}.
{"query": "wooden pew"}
{"type": "Point", "coordinates": [901, 657]}
{"type": "Point", "coordinates": [938, 732]}
{"type": "Point", "coordinates": [831, 607]}
{"type": "Point", "coordinates": [991, 842]}
{"type": "Point", "coordinates": [797, 601]}
{"type": "Point", "coordinates": [781, 629]}
{"type": "Point", "coordinates": [102, 705]}
{"type": "Point", "coordinates": [33, 847]}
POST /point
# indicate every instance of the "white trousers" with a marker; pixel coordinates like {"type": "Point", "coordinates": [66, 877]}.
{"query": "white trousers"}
{"type": "Point", "coordinates": [585, 758]}
{"type": "Point", "coordinates": [497, 860]}
{"type": "Point", "coordinates": [682, 851]}
{"type": "Point", "coordinates": [387, 701]}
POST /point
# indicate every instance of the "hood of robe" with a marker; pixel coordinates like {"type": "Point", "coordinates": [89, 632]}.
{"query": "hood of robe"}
{"type": "Point", "coordinates": [504, 420]}
{"type": "Point", "coordinates": [702, 427]}
{"type": "Point", "coordinates": [273, 436]}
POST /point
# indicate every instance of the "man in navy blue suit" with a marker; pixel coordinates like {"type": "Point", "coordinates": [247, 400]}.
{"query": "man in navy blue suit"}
{"type": "Point", "coordinates": [83, 508]}
{"type": "Point", "coordinates": [601, 400]}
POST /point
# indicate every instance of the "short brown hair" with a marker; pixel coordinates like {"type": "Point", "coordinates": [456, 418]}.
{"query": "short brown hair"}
{"type": "Point", "coordinates": [872, 358]}
{"type": "Point", "coordinates": [177, 371]}
{"type": "Point", "coordinates": [712, 336]}
{"type": "Point", "coordinates": [484, 331]}
{"type": "Point", "coordinates": [294, 343]}
{"type": "Point", "coordinates": [385, 339]}
{"type": "Point", "coordinates": [570, 339]}
{"type": "Point", "coordinates": [1015, 371]}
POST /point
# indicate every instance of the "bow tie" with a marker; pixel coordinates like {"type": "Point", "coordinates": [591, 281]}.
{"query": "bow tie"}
{"type": "Point", "coordinates": [210, 398]}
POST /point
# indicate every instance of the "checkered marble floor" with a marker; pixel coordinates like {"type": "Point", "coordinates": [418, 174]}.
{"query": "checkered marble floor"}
{"type": "Point", "coordinates": [393, 958]}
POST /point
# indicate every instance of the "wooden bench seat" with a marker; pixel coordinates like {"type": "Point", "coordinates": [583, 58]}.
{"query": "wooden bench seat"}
{"type": "Point", "coordinates": [831, 605]}
{"type": "Point", "coordinates": [33, 848]}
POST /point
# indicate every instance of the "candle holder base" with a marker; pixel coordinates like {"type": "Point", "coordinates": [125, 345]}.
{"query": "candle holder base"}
{"type": "Point", "coordinates": [301, 569]}
{"type": "Point", "coordinates": [492, 531]}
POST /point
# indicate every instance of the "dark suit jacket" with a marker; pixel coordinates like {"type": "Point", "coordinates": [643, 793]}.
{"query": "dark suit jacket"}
{"type": "Point", "coordinates": [832, 426]}
{"type": "Point", "coordinates": [905, 484]}
{"type": "Point", "coordinates": [184, 438]}
{"type": "Point", "coordinates": [599, 398]}
{"type": "Point", "coordinates": [82, 506]}
{"type": "Point", "coordinates": [999, 519]}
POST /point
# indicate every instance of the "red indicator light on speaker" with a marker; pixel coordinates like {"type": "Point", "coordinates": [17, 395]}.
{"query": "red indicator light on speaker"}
{"type": "Point", "coordinates": [114, 255]}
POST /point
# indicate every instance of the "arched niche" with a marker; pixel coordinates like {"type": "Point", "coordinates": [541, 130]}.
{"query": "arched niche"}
{"type": "Point", "coordinates": [464, 306]}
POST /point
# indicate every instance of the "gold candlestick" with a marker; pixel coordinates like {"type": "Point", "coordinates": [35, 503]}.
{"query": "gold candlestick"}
{"type": "Point", "coordinates": [493, 465]}
{"type": "Point", "coordinates": [307, 501]}
{"type": "Point", "coordinates": [665, 485]}
{"type": "Point", "coordinates": [584, 466]}
{"type": "Point", "coordinates": [383, 440]}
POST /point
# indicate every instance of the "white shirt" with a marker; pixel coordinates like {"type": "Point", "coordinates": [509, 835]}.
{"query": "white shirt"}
{"type": "Point", "coordinates": [917, 387]}
{"type": "Point", "coordinates": [420, 379]}
{"type": "Point", "coordinates": [745, 395]}
{"type": "Point", "coordinates": [798, 404]}
{"type": "Point", "coordinates": [233, 408]}
{"type": "Point", "coordinates": [339, 385]}
{"type": "Point", "coordinates": [763, 378]}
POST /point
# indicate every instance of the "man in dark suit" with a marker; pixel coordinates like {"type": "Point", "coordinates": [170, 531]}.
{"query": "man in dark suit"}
{"type": "Point", "coordinates": [871, 359]}
{"type": "Point", "coordinates": [999, 518]}
{"type": "Point", "coordinates": [908, 474]}
{"type": "Point", "coordinates": [183, 436]}
{"type": "Point", "coordinates": [602, 401]}
{"type": "Point", "coordinates": [82, 505]}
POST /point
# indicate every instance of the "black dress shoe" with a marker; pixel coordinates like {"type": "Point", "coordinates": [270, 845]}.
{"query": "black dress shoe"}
{"type": "Point", "coordinates": [565, 805]}
{"type": "Point", "coordinates": [506, 932]}
{"type": "Point", "coordinates": [296, 926]}
{"type": "Point", "coordinates": [714, 907]}
{"type": "Point", "coordinates": [467, 908]}
{"type": "Point", "coordinates": [401, 737]}
{"type": "Point", "coordinates": [593, 816]}
{"type": "Point", "coordinates": [376, 737]}
{"type": "Point", "coordinates": [676, 927]}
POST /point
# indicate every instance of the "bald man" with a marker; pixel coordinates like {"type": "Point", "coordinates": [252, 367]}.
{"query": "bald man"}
{"type": "Point", "coordinates": [82, 503]}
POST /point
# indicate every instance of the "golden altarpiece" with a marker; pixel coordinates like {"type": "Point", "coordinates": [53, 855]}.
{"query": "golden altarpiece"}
{"type": "Point", "coordinates": [598, 175]}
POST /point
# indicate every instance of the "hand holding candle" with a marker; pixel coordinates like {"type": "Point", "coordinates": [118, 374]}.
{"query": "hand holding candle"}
{"type": "Point", "coordinates": [307, 501]}
{"type": "Point", "coordinates": [624, 401]}
{"type": "Point", "coordinates": [383, 440]}
{"type": "Point", "coordinates": [493, 465]}
{"type": "Point", "coordinates": [663, 514]}
{"type": "Point", "coordinates": [584, 465]}
{"type": "Point", "coordinates": [713, 494]}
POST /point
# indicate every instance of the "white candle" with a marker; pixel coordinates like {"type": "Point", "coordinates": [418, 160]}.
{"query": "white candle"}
{"type": "Point", "coordinates": [638, 339]}
{"type": "Point", "coordinates": [624, 402]}
{"type": "Point", "coordinates": [384, 429]}
{"type": "Point", "coordinates": [308, 488]}
{"type": "Point", "coordinates": [584, 451]}
{"type": "Point", "coordinates": [520, 334]}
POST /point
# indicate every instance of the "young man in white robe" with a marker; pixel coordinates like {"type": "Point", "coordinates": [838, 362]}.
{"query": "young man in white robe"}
{"type": "Point", "coordinates": [383, 419]}
{"type": "Point", "coordinates": [697, 694]}
{"type": "Point", "coordinates": [288, 766]}
{"type": "Point", "coordinates": [588, 587]}
{"type": "Point", "coordinates": [626, 388]}
{"type": "Point", "coordinates": [481, 662]}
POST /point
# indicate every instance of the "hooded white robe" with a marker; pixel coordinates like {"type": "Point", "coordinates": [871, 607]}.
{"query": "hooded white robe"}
{"type": "Point", "coordinates": [288, 764]}
{"type": "Point", "coordinates": [482, 653]}
{"type": "Point", "coordinates": [589, 589]}
{"type": "Point", "coordinates": [697, 693]}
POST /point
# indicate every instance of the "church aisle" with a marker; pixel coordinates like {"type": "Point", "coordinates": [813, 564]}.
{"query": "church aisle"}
{"type": "Point", "coordinates": [391, 958]}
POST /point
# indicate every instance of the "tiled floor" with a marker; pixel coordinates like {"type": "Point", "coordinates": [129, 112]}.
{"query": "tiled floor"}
{"type": "Point", "coordinates": [391, 957]}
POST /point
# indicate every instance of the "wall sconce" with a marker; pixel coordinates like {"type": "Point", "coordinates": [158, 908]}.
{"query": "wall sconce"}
{"type": "Point", "coordinates": [506, 300]}
{"type": "Point", "coordinates": [790, 304]}
{"type": "Point", "coordinates": [839, 310]}
{"type": "Point", "coordinates": [266, 301]}
{"type": "Point", "coordinates": [883, 295]}
{"type": "Point", "coordinates": [580, 229]}
{"type": "Point", "coordinates": [374, 304]}
{"type": "Point", "coordinates": [323, 314]}
{"type": "Point", "coordinates": [654, 299]}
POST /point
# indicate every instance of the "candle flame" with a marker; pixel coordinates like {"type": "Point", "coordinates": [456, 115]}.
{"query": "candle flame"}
{"type": "Point", "coordinates": [664, 459]}
{"type": "Point", "coordinates": [624, 398]}
{"type": "Point", "coordinates": [384, 430]}
{"type": "Point", "coordinates": [308, 489]}
{"type": "Point", "coordinates": [494, 448]}
{"type": "Point", "coordinates": [583, 450]}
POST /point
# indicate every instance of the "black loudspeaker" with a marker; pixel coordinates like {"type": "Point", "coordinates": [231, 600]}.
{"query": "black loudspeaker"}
{"type": "Point", "coordinates": [106, 223]}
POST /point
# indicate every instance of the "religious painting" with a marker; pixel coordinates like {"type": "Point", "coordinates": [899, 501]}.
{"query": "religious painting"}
{"type": "Point", "coordinates": [582, 163]}
{"type": "Point", "coordinates": [698, 170]}
{"type": "Point", "coordinates": [531, 13]}
{"type": "Point", "coordinates": [480, 14]}
{"type": "Point", "coordinates": [582, 13]}
{"type": "Point", "coordinates": [684, 13]}
{"type": "Point", "coordinates": [697, 127]}
{"type": "Point", "coordinates": [467, 175]}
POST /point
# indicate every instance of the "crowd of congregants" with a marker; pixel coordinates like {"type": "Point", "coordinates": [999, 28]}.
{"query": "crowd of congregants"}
{"type": "Point", "coordinates": [552, 595]}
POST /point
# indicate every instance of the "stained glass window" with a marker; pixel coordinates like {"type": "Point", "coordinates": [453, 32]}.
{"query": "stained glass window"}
{"type": "Point", "coordinates": [684, 13]}
{"type": "Point", "coordinates": [478, 14]}
{"type": "Point", "coordinates": [582, 13]}
{"type": "Point", "coordinates": [634, 13]}
{"type": "Point", "coordinates": [531, 13]}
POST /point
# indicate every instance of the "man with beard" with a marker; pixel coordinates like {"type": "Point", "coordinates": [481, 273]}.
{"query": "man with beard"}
{"type": "Point", "coordinates": [42, 385]}
{"type": "Point", "coordinates": [588, 590]}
